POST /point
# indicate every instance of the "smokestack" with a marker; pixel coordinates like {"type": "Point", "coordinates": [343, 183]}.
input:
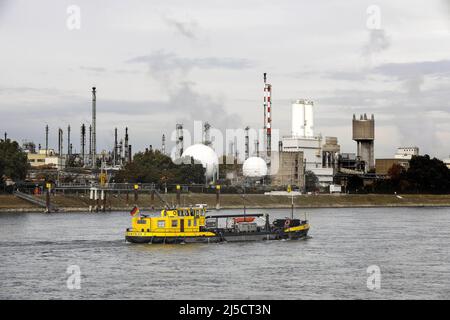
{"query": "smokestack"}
{"type": "Point", "coordinates": [257, 147]}
{"type": "Point", "coordinates": [247, 147]}
{"type": "Point", "coordinates": [268, 115]}
{"type": "Point", "coordinates": [46, 140]}
{"type": "Point", "coordinates": [69, 151]}
{"type": "Point", "coordinates": [90, 142]}
{"type": "Point", "coordinates": [180, 140]}
{"type": "Point", "coordinates": [60, 142]}
{"type": "Point", "coordinates": [94, 127]}
{"type": "Point", "coordinates": [83, 141]}
{"type": "Point", "coordinates": [115, 147]}
{"type": "Point", "coordinates": [121, 151]}
{"type": "Point", "coordinates": [126, 149]}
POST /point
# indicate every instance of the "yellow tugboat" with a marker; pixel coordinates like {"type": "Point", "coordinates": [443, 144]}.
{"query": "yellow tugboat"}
{"type": "Point", "coordinates": [172, 226]}
{"type": "Point", "coordinates": [191, 225]}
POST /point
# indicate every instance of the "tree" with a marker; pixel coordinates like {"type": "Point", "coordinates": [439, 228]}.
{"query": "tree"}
{"type": "Point", "coordinates": [154, 167]}
{"type": "Point", "coordinates": [13, 161]}
{"type": "Point", "coordinates": [428, 175]}
{"type": "Point", "coordinates": [311, 181]}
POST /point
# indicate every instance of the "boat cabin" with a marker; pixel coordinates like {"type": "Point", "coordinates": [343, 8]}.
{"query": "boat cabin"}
{"type": "Point", "coordinates": [177, 220]}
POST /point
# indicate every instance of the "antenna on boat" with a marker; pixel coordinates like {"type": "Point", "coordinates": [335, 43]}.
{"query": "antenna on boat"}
{"type": "Point", "coordinates": [292, 206]}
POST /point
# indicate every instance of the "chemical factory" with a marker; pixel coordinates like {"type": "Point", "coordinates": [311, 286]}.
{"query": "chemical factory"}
{"type": "Point", "coordinates": [273, 162]}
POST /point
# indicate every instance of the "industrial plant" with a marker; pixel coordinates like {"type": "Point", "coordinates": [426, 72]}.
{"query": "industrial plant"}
{"type": "Point", "coordinates": [264, 164]}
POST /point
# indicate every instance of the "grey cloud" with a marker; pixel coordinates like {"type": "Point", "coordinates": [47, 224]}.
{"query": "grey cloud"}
{"type": "Point", "coordinates": [186, 29]}
{"type": "Point", "coordinates": [161, 61]}
{"type": "Point", "coordinates": [93, 69]}
{"type": "Point", "coordinates": [197, 106]}
{"type": "Point", "coordinates": [346, 75]}
{"type": "Point", "coordinates": [405, 70]}
{"type": "Point", "coordinates": [165, 68]}
{"type": "Point", "coordinates": [413, 112]}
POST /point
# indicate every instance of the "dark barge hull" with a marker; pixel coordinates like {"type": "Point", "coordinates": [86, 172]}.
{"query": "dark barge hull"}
{"type": "Point", "coordinates": [222, 237]}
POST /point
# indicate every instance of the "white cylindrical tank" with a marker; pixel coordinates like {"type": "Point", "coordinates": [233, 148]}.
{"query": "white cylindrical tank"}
{"type": "Point", "coordinates": [303, 118]}
{"type": "Point", "coordinates": [298, 118]}
{"type": "Point", "coordinates": [309, 118]}
{"type": "Point", "coordinates": [205, 155]}
{"type": "Point", "coordinates": [254, 167]}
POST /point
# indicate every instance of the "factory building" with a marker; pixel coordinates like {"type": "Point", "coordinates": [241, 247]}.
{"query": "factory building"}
{"type": "Point", "coordinates": [303, 139]}
{"type": "Point", "coordinates": [364, 135]}
{"type": "Point", "coordinates": [382, 166]}
{"type": "Point", "coordinates": [402, 157]}
{"type": "Point", "coordinates": [302, 135]}
{"type": "Point", "coordinates": [47, 158]}
{"type": "Point", "coordinates": [288, 169]}
{"type": "Point", "coordinates": [406, 152]}
{"type": "Point", "coordinates": [330, 152]}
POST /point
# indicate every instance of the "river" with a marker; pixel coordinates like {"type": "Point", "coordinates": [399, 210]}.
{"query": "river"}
{"type": "Point", "coordinates": [410, 246]}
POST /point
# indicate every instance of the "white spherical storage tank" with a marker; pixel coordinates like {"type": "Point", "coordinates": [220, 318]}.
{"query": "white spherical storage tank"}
{"type": "Point", "coordinates": [205, 155]}
{"type": "Point", "coordinates": [254, 167]}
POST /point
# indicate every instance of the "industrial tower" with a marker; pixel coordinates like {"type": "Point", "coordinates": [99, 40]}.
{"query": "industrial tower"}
{"type": "Point", "coordinates": [268, 115]}
{"type": "Point", "coordinates": [179, 141]}
{"type": "Point", "coordinates": [94, 127]}
{"type": "Point", "coordinates": [364, 135]}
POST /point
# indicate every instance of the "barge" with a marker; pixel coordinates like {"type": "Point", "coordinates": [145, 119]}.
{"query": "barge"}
{"type": "Point", "coordinates": [192, 225]}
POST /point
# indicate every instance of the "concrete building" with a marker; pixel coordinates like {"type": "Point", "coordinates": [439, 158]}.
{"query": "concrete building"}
{"type": "Point", "coordinates": [330, 152]}
{"type": "Point", "coordinates": [287, 169]}
{"type": "Point", "coordinates": [311, 147]}
{"type": "Point", "coordinates": [321, 160]}
{"type": "Point", "coordinates": [382, 166]}
{"type": "Point", "coordinates": [364, 135]}
{"type": "Point", "coordinates": [46, 158]}
{"type": "Point", "coordinates": [406, 152]}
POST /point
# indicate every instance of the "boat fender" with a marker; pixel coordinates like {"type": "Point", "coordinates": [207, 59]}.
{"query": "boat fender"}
{"type": "Point", "coordinates": [287, 222]}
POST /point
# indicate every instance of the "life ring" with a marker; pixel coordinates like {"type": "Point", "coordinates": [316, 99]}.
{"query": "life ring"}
{"type": "Point", "coordinates": [287, 222]}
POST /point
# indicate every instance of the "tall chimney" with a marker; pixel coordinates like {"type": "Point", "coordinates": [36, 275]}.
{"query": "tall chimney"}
{"type": "Point", "coordinates": [83, 141]}
{"type": "Point", "coordinates": [90, 143]}
{"type": "Point", "coordinates": [126, 149]}
{"type": "Point", "coordinates": [247, 147]}
{"type": "Point", "coordinates": [115, 147]}
{"type": "Point", "coordinates": [268, 115]}
{"type": "Point", "coordinates": [94, 127]}
{"type": "Point", "coordinates": [46, 140]}
{"type": "Point", "coordinates": [69, 151]}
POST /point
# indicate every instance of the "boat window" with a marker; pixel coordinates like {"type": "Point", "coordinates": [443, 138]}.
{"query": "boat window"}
{"type": "Point", "coordinates": [195, 223]}
{"type": "Point", "coordinates": [189, 223]}
{"type": "Point", "coordinates": [142, 221]}
{"type": "Point", "coordinates": [174, 223]}
{"type": "Point", "coordinates": [161, 223]}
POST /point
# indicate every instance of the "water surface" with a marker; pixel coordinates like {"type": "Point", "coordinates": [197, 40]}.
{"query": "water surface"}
{"type": "Point", "coordinates": [410, 245]}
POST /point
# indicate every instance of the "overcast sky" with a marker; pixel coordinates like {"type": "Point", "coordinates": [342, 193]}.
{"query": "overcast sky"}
{"type": "Point", "coordinates": [156, 63]}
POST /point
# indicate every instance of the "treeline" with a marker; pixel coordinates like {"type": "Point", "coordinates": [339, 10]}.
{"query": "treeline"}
{"type": "Point", "coordinates": [424, 175]}
{"type": "Point", "coordinates": [154, 167]}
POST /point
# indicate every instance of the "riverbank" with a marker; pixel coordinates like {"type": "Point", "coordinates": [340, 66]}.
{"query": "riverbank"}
{"type": "Point", "coordinates": [81, 203]}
